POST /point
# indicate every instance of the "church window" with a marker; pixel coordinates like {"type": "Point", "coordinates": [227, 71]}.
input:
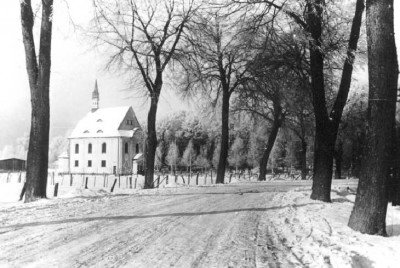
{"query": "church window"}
{"type": "Point", "coordinates": [89, 148]}
{"type": "Point", "coordinates": [126, 148]}
{"type": "Point", "coordinates": [103, 163]}
{"type": "Point", "coordinates": [77, 148]}
{"type": "Point", "coordinates": [89, 163]}
{"type": "Point", "coordinates": [104, 148]}
{"type": "Point", "coordinates": [76, 163]}
{"type": "Point", "coordinates": [137, 148]}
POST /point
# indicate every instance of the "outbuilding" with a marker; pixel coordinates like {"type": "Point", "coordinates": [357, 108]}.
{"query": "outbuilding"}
{"type": "Point", "coordinates": [12, 163]}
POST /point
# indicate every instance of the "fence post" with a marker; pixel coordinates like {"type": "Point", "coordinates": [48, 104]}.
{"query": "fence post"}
{"type": "Point", "coordinates": [135, 181]}
{"type": "Point", "coordinates": [56, 190]}
{"type": "Point", "coordinates": [197, 179]}
{"type": "Point", "coordinates": [189, 180]}
{"type": "Point", "coordinates": [183, 179]}
{"type": "Point", "coordinates": [94, 183]}
{"type": "Point", "coordinates": [86, 182]}
{"type": "Point", "coordinates": [158, 181]}
{"type": "Point", "coordinates": [71, 180]}
{"type": "Point", "coordinates": [130, 182]}
{"type": "Point", "coordinates": [22, 192]}
{"type": "Point", "coordinates": [230, 178]}
{"type": "Point", "coordinates": [205, 179]}
{"type": "Point", "coordinates": [115, 182]}
{"type": "Point", "coordinates": [166, 180]}
{"type": "Point", "coordinates": [176, 178]}
{"type": "Point", "coordinates": [119, 180]}
{"type": "Point", "coordinates": [19, 178]}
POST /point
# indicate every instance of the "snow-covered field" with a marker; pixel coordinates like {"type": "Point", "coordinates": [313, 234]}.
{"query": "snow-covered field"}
{"type": "Point", "coordinates": [252, 224]}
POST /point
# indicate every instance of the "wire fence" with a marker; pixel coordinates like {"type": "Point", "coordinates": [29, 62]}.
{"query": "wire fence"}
{"type": "Point", "coordinates": [112, 182]}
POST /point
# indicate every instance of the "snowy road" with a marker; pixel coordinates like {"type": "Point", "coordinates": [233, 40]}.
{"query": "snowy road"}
{"type": "Point", "coordinates": [223, 226]}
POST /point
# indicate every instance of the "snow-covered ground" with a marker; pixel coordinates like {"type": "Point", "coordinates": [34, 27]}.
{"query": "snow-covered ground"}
{"type": "Point", "coordinates": [248, 224]}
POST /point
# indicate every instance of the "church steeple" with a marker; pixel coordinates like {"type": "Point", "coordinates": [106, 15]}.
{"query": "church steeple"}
{"type": "Point", "coordinates": [95, 98]}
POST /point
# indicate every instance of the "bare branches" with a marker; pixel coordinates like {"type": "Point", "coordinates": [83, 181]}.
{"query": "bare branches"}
{"type": "Point", "coordinates": [148, 32]}
{"type": "Point", "coordinates": [216, 55]}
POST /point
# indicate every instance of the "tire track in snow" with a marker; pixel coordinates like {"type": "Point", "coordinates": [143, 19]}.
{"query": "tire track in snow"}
{"type": "Point", "coordinates": [205, 227]}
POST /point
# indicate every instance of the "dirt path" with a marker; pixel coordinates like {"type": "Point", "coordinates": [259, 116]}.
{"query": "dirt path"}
{"type": "Point", "coordinates": [227, 226]}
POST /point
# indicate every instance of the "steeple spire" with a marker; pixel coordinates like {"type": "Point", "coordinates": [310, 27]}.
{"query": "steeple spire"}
{"type": "Point", "coordinates": [95, 97]}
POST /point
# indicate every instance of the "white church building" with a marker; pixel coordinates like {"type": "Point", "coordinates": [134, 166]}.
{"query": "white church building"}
{"type": "Point", "coordinates": [106, 141]}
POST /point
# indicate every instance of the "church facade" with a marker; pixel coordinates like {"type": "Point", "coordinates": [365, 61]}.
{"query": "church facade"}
{"type": "Point", "coordinates": [106, 141]}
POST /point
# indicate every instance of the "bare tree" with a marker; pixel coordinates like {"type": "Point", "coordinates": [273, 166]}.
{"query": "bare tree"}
{"type": "Point", "coordinates": [143, 36]}
{"type": "Point", "coordinates": [263, 97]}
{"type": "Point", "coordinates": [215, 61]}
{"type": "Point", "coordinates": [38, 69]}
{"type": "Point", "coordinates": [369, 212]}
{"type": "Point", "coordinates": [317, 23]}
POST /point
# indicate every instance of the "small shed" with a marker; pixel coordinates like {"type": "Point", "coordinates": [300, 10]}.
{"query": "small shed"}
{"type": "Point", "coordinates": [12, 163]}
{"type": "Point", "coordinates": [137, 167]}
{"type": "Point", "coordinates": [63, 162]}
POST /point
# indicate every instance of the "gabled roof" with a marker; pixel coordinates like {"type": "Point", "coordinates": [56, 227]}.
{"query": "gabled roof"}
{"type": "Point", "coordinates": [12, 156]}
{"type": "Point", "coordinates": [104, 122]}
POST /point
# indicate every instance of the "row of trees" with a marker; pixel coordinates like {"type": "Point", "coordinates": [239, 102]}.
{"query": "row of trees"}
{"type": "Point", "coordinates": [187, 140]}
{"type": "Point", "coordinates": [230, 50]}
{"type": "Point", "coordinates": [283, 62]}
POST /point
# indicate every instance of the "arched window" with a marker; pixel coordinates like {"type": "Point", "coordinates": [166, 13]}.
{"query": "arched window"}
{"type": "Point", "coordinates": [99, 120]}
{"type": "Point", "coordinates": [89, 148]}
{"type": "Point", "coordinates": [126, 148]}
{"type": "Point", "coordinates": [77, 148]}
{"type": "Point", "coordinates": [104, 148]}
{"type": "Point", "coordinates": [137, 148]}
{"type": "Point", "coordinates": [99, 131]}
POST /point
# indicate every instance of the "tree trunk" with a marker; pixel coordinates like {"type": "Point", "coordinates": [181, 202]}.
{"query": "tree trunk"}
{"type": "Point", "coordinates": [357, 155]}
{"type": "Point", "coordinates": [323, 165]}
{"type": "Point", "coordinates": [224, 137]}
{"type": "Point", "coordinates": [393, 181]}
{"type": "Point", "coordinates": [39, 83]}
{"type": "Point", "coordinates": [327, 125]}
{"type": "Point", "coordinates": [338, 171]}
{"type": "Point", "coordinates": [270, 144]}
{"type": "Point", "coordinates": [369, 212]}
{"type": "Point", "coordinates": [338, 161]}
{"type": "Point", "coordinates": [151, 141]}
{"type": "Point", "coordinates": [395, 197]}
{"type": "Point", "coordinates": [303, 157]}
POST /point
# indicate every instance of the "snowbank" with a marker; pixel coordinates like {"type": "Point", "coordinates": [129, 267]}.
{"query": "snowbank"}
{"type": "Point", "coordinates": [317, 232]}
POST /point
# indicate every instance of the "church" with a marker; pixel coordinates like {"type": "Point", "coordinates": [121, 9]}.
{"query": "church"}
{"type": "Point", "coordinates": [106, 141]}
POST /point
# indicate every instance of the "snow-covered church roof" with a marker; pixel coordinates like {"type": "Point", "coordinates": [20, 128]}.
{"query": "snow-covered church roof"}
{"type": "Point", "coordinates": [107, 122]}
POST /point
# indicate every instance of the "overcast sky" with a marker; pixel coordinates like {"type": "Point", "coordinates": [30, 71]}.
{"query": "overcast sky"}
{"type": "Point", "coordinates": [75, 66]}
